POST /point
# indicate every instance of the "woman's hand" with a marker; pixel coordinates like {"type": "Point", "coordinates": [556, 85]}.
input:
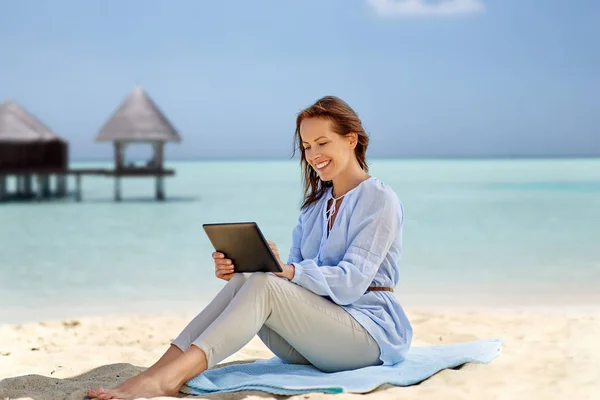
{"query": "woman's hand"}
{"type": "Point", "coordinates": [288, 269]}
{"type": "Point", "coordinates": [223, 266]}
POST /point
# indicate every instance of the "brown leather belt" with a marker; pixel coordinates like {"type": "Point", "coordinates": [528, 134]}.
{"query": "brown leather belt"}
{"type": "Point", "coordinates": [380, 289]}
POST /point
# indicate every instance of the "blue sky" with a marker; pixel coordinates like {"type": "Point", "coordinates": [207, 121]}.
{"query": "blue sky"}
{"type": "Point", "coordinates": [428, 78]}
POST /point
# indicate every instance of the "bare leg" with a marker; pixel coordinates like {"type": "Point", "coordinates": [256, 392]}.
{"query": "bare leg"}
{"type": "Point", "coordinates": [171, 354]}
{"type": "Point", "coordinates": [185, 338]}
{"type": "Point", "coordinates": [163, 380]}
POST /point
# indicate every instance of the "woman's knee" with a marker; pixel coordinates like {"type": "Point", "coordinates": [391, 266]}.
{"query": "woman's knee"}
{"type": "Point", "coordinates": [260, 280]}
{"type": "Point", "coordinates": [237, 281]}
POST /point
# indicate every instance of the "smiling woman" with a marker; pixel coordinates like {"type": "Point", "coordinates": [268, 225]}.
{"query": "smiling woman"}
{"type": "Point", "coordinates": [332, 305]}
{"type": "Point", "coordinates": [333, 144]}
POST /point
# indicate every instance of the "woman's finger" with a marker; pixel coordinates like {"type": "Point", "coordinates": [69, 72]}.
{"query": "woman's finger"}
{"type": "Point", "coordinates": [274, 250]}
{"type": "Point", "coordinates": [217, 254]}
{"type": "Point", "coordinates": [224, 276]}
{"type": "Point", "coordinates": [223, 261]}
{"type": "Point", "coordinates": [225, 267]}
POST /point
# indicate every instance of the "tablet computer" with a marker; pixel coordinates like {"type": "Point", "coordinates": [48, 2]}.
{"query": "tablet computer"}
{"type": "Point", "coordinates": [244, 244]}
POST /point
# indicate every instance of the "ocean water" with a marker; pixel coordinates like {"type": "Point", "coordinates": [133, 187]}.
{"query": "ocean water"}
{"type": "Point", "coordinates": [478, 232]}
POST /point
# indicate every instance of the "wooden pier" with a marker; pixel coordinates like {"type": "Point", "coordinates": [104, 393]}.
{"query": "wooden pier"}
{"type": "Point", "coordinates": [26, 190]}
{"type": "Point", "coordinates": [35, 156]}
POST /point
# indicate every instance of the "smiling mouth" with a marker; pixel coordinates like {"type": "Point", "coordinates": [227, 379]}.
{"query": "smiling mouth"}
{"type": "Point", "coordinates": [322, 165]}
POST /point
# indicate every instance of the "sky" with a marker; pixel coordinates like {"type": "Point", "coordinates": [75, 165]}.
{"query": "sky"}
{"type": "Point", "coordinates": [452, 78]}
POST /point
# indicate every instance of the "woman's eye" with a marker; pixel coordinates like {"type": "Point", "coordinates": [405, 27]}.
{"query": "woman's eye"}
{"type": "Point", "coordinates": [322, 144]}
{"type": "Point", "coordinates": [307, 148]}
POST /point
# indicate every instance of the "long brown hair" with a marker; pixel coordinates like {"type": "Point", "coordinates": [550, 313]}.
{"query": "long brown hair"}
{"type": "Point", "coordinates": [344, 121]}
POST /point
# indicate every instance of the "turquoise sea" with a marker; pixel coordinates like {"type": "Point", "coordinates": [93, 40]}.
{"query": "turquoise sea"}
{"type": "Point", "coordinates": [501, 233]}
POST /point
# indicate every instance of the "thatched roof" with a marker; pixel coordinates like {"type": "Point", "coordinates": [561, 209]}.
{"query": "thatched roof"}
{"type": "Point", "coordinates": [19, 125]}
{"type": "Point", "coordinates": [138, 119]}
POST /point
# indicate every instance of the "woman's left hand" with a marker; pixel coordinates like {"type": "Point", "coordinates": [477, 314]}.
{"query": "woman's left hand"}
{"type": "Point", "coordinates": [288, 269]}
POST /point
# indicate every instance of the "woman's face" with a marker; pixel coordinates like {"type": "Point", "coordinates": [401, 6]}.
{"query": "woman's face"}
{"type": "Point", "coordinates": [326, 151]}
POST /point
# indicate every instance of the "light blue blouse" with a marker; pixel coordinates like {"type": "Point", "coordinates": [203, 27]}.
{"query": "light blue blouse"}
{"type": "Point", "coordinates": [363, 249]}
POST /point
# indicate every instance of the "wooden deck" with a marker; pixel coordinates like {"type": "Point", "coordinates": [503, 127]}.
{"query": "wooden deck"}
{"type": "Point", "coordinates": [26, 176]}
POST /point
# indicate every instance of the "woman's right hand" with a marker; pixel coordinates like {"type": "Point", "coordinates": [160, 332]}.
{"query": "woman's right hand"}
{"type": "Point", "coordinates": [223, 266]}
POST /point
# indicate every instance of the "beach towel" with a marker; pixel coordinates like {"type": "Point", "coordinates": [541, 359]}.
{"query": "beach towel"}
{"type": "Point", "coordinates": [276, 377]}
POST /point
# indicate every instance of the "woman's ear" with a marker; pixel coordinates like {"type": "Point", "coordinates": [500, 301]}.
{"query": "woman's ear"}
{"type": "Point", "coordinates": [353, 139]}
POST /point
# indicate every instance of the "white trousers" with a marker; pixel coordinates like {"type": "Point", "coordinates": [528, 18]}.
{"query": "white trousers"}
{"type": "Point", "coordinates": [297, 325]}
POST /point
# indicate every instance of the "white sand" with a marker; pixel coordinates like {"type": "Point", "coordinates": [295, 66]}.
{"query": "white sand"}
{"type": "Point", "coordinates": [547, 355]}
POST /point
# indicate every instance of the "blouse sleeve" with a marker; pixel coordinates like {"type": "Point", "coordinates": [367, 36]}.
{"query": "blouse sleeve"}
{"type": "Point", "coordinates": [295, 253]}
{"type": "Point", "coordinates": [373, 229]}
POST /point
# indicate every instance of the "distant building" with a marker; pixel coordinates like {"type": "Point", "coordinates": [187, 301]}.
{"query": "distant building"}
{"type": "Point", "coordinates": [28, 144]}
{"type": "Point", "coordinates": [139, 120]}
{"type": "Point", "coordinates": [29, 149]}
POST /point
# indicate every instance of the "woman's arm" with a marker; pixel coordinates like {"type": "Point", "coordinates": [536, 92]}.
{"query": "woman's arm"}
{"type": "Point", "coordinates": [373, 230]}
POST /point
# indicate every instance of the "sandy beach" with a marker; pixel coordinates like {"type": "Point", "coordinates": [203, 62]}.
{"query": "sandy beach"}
{"type": "Point", "coordinates": [547, 354]}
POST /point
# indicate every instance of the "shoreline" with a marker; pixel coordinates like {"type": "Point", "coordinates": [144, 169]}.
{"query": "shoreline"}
{"type": "Point", "coordinates": [450, 301]}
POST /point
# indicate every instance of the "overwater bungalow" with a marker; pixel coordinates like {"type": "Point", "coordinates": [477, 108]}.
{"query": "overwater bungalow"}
{"type": "Point", "coordinates": [30, 149]}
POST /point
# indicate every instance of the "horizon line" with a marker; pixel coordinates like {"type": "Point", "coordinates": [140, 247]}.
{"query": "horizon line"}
{"type": "Point", "coordinates": [433, 157]}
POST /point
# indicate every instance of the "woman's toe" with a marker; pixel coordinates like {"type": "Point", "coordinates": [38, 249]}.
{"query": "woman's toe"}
{"type": "Point", "coordinates": [93, 393]}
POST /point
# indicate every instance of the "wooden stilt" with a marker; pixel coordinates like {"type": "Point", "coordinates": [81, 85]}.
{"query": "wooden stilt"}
{"type": "Point", "coordinates": [117, 188]}
{"type": "Point", "coordinates": [3, 188]}
{"type": "Point", "coordinates": [78, 187]}
{"type": "Point", "coordinates": [61, 185]}
{"type": "Point", "coordinates": [20, 186]}
{"type": "Point", "coordinates": [46, 186]}
{"type": "Point", "coordinates": [39, 187]}
{"type": "Point", "coordinates": [160, 188]}
{"type": "Point", "coordinates": [27, 186]}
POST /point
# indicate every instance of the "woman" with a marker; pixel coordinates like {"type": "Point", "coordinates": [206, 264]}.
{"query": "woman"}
{"type": "Point", "coordinates": [332, 306]}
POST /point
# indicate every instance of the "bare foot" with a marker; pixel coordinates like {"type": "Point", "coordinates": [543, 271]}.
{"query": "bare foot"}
{"type": "Point", "coordinates": [103, 394]}
{"type": "Point", "coordinates": [139, 386]}
{"type": "Point", "coordinates": [171, 354]}
{"type": "Point", "coordinates": [163, 380]}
